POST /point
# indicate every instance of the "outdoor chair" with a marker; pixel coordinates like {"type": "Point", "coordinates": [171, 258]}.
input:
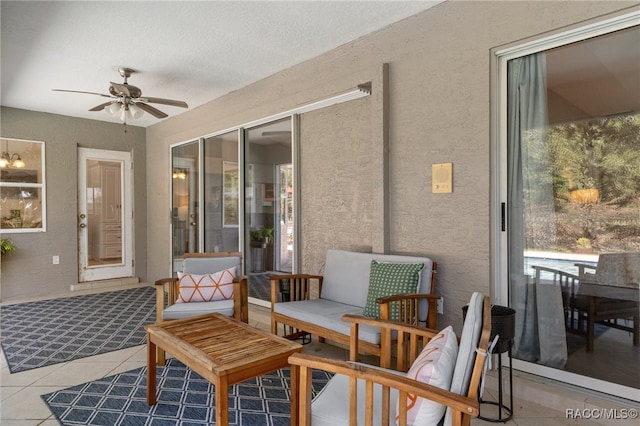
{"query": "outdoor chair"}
{"type": "Point", "coordinates": [609, 294]}
{"type": "Point", "coordinates": [443, 378]}
{"type": "Point", "coordinates": [606, 294]}
{"type": "Point", "coordinates": [202, 287]}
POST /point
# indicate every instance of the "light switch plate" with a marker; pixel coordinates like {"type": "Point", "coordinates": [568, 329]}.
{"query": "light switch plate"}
{"type": "Point", "coordinates": [441, 178]}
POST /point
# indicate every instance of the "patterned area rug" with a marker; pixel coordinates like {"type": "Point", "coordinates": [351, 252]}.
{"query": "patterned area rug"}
{"type": "Point", "coordinates": [47, 332]}
{"type": "Point", "coordinates": [184, 398]}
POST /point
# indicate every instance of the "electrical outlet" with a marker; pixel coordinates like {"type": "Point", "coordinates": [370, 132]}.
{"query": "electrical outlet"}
{"type": "Point", "coordinates": [441, 306]}
{"type": "Point", "coordinates": [56, 260]}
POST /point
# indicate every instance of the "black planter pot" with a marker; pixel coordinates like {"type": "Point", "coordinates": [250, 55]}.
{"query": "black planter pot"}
{"type": "Point", "coordinates": [503, 324]}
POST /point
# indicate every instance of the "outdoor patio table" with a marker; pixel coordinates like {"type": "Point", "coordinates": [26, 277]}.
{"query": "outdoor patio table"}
{"type": "Point", "coordinates": [223, 351]}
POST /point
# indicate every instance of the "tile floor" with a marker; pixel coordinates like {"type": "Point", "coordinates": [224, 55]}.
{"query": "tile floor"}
{"type": "Point", "coordinates": [538, 402]}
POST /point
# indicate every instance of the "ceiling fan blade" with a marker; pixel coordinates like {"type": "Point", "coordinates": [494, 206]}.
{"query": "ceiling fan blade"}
{"type": "Point", "coordinates": [164, 101]}
{"type": "Point", "coordinates": [151, 110]}
{"type": "Point", "coordinates": [80, 91]}
{"type": "Point", "coordinates": [121, 88]}
{"type": "Point", "coordinates": [101, 106]}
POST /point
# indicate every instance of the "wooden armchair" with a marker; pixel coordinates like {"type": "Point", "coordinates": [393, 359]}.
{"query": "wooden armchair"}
{"type": "Point", "coordinates": [168, 290]}
{"type": "Point", "coordinates": [342, 402]}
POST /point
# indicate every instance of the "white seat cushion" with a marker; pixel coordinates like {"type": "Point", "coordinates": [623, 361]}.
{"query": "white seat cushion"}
{"type": "Point", "coordinates": [187, 310]}
{"type": "Point", "coordinates": [331, 406]}
{"type": "Point", "coordinates": [328, 314]}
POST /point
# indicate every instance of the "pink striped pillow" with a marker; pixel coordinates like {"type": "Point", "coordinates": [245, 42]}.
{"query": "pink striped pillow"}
{"type": "Point", "coordinates": [433, 366]}
{"type": "Point", "coordinates": [206, 288]}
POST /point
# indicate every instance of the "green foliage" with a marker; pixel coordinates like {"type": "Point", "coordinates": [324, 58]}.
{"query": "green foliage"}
{"type": "Point", "coordinates": [583, 242]}
{"type": "Point", "coordinates": [264, 235]}
{"type": "Point", "coordinates": [601, 153]}
{"type": "Point", "coordinates": [7, 246]}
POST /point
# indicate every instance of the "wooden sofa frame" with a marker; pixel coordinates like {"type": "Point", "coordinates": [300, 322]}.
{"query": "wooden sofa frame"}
{"type": "Point", "coordinates": [300, 289]}
{"type": "Point", "coordinates": [410, 341]}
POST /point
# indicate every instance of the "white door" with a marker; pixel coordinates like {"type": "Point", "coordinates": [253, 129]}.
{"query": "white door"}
{"type": "Point", "coordinates": [105, 213]}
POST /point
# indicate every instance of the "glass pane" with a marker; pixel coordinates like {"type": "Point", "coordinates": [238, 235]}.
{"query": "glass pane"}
{"type": "Point", "coordinates": [267, 149]}
{"type": "Point", "coordinates": [21, 207]}
{"type": "Point", "coordinates": [22, 185]}
{"type": "Point", "coordinates": [284, 243]}
{"type": "Point", "coordinates": [104, 212]}
{"type": "Point", "coordinates": [221, 194]}
{"type": "Point", "coordinates": [184, 187]}
{"type": "Point", "coordinates": [574, 210]}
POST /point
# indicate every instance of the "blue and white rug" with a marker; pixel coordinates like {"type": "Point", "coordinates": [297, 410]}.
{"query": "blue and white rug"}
{"type": "Point", "coordinates": [47, 332]}
{"type": "Point", "coordinates": [184, 398]}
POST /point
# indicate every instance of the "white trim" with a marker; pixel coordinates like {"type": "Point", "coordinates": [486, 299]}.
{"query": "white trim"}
{"type": "Point", "coordinates": [571, 36]}
{"type": "Point", "coordinates": [350, 95]}
{"type": "Point", "coordinates": [500, 58]}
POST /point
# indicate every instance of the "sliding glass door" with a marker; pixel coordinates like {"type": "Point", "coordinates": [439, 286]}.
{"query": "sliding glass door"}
{"type": "Point", "coordinates": [205, 196]}
{"type": "Point", "coordinates": [221, 190]}
{"type": "Point", "coordinates": [268, 224]}
{"type": "Point", "coordinates": [573, 209]}
{"type": "Point", "coordinates": [185, 185]}
{"type": "Point", "coordinates": [208, 201]}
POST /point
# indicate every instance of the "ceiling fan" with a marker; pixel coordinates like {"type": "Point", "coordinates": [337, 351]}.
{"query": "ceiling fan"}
{"type": "Point", "coordinates": [127, 100]}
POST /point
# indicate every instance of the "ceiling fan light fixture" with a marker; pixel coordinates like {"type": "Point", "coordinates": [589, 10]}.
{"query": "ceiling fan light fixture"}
{"type": "Point", "coordinates": [114, 108]}
{"type": "Point", "coordinates": [135, 111]}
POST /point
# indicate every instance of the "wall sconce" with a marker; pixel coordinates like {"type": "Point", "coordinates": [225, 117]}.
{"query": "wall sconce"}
{"type": "Point", "coordinates": [11, 160]}
{"type": "Point", "coordinates": [179, 174]}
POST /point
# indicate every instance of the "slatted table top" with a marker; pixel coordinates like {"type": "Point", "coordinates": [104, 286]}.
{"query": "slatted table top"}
{"type": "Point", "coordinates": [223, 344]}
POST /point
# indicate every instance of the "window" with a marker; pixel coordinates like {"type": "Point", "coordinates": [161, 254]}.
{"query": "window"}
{"type": "Point", "coordinates": [22, 186]}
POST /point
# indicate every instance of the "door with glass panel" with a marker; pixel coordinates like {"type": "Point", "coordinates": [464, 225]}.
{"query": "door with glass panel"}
{"type": "Point", "coordinates": [573, 209]}
{"type": "Point", "coordinates": [269, 204]}
{"type": "Point", "coordinates": [104, 215]}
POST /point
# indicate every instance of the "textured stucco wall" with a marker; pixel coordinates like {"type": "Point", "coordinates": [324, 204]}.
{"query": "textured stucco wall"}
{"type": "Point", "coordinates": [438, 103]}
{"type": "Point", "coordinates": [30, 271]}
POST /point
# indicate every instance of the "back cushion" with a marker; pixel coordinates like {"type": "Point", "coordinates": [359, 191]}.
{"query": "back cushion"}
{"type": "Point", "coordinates": [469, 340]}
{"type": "Point", "coordinates": [346, 276]}
{"type": "Point", "coordinates": [209, 265]}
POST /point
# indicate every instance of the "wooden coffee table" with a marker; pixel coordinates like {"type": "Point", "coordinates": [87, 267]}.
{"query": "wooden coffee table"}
{"type": "Point", "coordinates": [223, 351]}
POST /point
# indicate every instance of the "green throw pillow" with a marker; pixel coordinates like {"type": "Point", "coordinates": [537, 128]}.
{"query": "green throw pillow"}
{"type": "Point", "coordinates": [386, 279]}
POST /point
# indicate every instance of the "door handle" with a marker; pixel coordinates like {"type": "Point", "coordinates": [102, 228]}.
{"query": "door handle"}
{"type": "Point", "coordinates": [82, 215]}
{"type": "Point", "coordinates": [83, 225]}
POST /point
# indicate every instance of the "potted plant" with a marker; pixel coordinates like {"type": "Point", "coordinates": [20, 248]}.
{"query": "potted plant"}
{"type": "Point", "coordinates": [7, 246]}
{"type": "Point", "coordinates": [262, 237]}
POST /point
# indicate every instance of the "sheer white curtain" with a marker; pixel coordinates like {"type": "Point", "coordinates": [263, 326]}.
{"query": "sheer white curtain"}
{"type": "Point", "coordinates": [540, 333]}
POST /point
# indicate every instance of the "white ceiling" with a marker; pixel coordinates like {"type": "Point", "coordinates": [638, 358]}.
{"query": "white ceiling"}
{"type": "Point", "coordinates": [190, 51]}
